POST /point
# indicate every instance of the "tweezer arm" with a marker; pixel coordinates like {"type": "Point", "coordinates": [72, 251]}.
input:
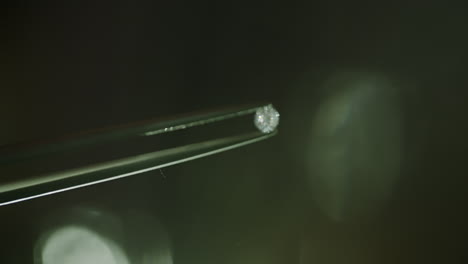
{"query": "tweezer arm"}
{"type": "Point", "coordinates": [146, 128]}
{"type": "Point", "coordinates": [109, 171]}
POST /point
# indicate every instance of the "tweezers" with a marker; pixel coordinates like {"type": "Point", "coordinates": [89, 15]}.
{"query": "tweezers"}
{"type": "Point", "coordinates": [29, 171]}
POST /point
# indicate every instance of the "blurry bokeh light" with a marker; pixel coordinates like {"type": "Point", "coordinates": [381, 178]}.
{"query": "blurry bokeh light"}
{"type": "Point", "coordinates": [354, 149]}
{"type": "Point", "coordinates": [79, 245]}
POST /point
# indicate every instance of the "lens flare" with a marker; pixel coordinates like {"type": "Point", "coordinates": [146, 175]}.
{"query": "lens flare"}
{"type": "Point", "coordinates": [79, 245]}
{"type": "Point", "coordinates": [353, 153]}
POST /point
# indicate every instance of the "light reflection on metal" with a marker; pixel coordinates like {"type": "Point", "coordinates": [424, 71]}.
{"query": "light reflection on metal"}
{"type": "Point", "coordinates": [200, 122]}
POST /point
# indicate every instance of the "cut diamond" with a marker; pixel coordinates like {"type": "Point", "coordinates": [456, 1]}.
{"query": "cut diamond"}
{"type": "Point", "coordinates": [266, 119]}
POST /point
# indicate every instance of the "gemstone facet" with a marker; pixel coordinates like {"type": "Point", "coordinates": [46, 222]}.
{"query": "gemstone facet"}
{"type": "Point", "coordinates": [266, 119]}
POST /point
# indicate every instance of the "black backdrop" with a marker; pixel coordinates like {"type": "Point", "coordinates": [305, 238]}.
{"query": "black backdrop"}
{"type": "Point", "coordinates": [77, 65]}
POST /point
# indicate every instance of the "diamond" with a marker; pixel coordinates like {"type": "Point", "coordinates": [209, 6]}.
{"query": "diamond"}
{"type": "Point", "coordinates": [266, 119]}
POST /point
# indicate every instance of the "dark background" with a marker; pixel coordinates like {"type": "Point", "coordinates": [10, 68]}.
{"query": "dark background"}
{"type": "Point", "coordinates": [77, 65]}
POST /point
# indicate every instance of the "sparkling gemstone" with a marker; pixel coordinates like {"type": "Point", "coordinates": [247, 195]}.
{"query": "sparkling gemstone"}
{"type": "Point", "coordinates": [266, 119]}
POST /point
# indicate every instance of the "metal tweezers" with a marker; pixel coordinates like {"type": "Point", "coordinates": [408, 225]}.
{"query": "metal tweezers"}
{"type": "Point", "coordinates": [29, 171]}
